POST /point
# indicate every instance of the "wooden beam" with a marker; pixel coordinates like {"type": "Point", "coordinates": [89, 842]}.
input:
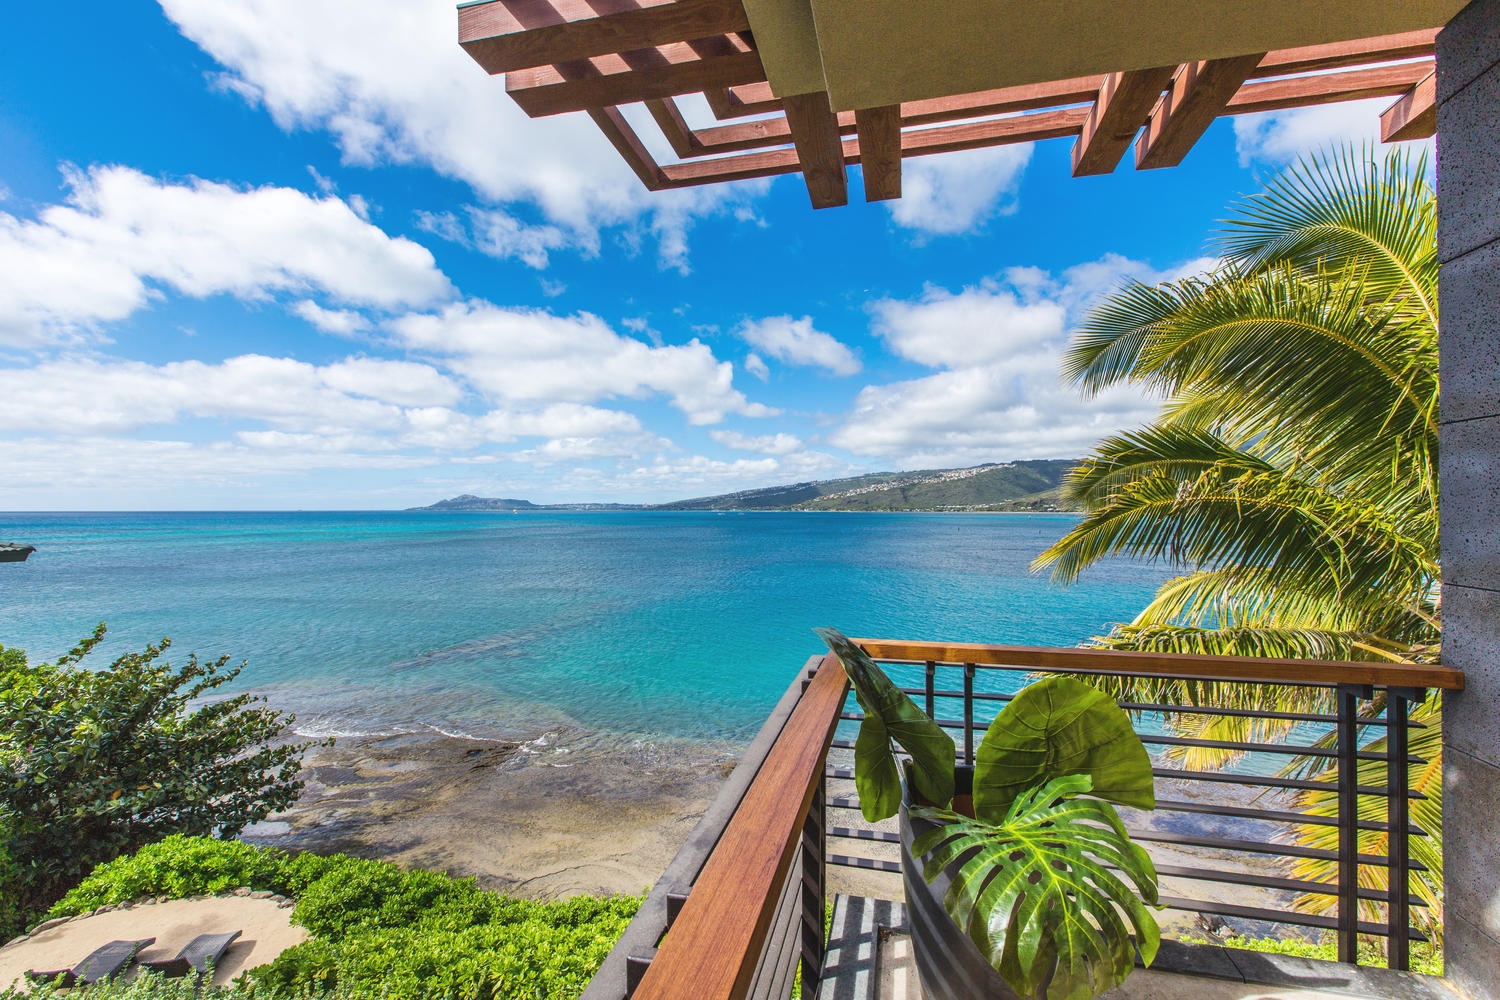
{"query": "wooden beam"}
{"type": "Point", "coordinates": [506, 35]}
{"type": "Point", "coordinates": [1027, 97]}
{"type": "Point", "coordinates": [606, 81]}
{"type": "Point", "coordinates": [1327, 88]}
{"type": "Point", "coordinates": [740, 101]}
{"type": "Point", "coordinates": [1414, 116]}
{"type": "Point", "coordinates": [618, 131]}
{"type": "Point", "coordinates": [1119, 110]}
{"type": "Point", "coordinates": [669, 119]}
{"type": "Point", "coordinates": [815, 133]}
{"type": "Point", "coordinates": [1197, 95]}
{"type": "Point", "coordinates": [879, 132]}
{"type": "Point", "coordinates": [1361, 52]}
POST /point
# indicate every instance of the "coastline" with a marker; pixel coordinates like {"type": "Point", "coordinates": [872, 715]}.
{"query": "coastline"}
{"type": "Point", "coordinates": [566, 812]}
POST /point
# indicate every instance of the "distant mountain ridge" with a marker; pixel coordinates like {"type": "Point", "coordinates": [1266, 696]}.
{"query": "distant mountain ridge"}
{"type": "Point", "coordinates": [1033, 485]}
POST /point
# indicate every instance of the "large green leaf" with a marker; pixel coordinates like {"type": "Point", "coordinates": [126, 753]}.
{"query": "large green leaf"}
{"type": "Point", "coordinates": [1037, 891]}
{"type": "Point", "coordinates": [1055, 727]}
{"type": "Point", "coordinates": [891, 715]}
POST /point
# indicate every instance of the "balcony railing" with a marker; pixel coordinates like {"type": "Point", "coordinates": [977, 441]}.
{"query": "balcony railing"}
{"type": "Point", "coordinates": [744, 899]}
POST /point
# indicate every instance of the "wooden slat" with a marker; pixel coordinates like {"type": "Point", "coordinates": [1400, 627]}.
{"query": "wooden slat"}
{"type": "Point", "coordinates": [1029, 97]}
{"type": "Point", "coordinates": [506, 35]}
{"type": "Point", "coordinates": [815, 133]}
{"type": "Point", "coordinates": [742, 100]}
{"type": "Point", "coordinates": [712, 947]}
{"type": "Point", "coordinates": [1414, 116]}
{"type": "Point", "coordinates": [669, 119]}
{"type": "Point", "coordinates": [1197, 96]}
{"type": "Point", "coordinates": [618, 131]}
{"type": "Point", "coordinates": [1327, 88]}
{"type": "Point", "coordinates": [998, 132]}
{"type": "Point", "coordinates": [610, 80]}
{"type": "Point", "coordinates": [1224, 668]}
{"type": "Point", "coordinates": [1119, 111]}
{"type": "Point", "coordinates": [755, 135]}
{"type": "Point", "coordinates": [1361, 52]}
{"type": "Point", "coordinates": [745, 166]}
{"type": "Point", "coordinates": [879, 132]}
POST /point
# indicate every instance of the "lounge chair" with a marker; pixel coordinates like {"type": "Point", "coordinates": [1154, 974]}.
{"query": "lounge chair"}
{"type": "Point", "coordinates": [101, 963]}
{"type": "Point", "coordinates": [200, 953]}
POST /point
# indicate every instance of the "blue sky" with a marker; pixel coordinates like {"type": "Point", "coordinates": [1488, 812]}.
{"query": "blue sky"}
{"type": "Point", "coordinates": [262, 254]}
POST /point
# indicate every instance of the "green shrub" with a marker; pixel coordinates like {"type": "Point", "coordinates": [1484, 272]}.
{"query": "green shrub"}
{"type": "Point", "coordinates": [149, 986]}
{"type": "Point", "coordinates": [1424, 958]}
{"type": "Point", "coordinates": [377, 932]}
{"type": "Point", "coordinates": [177, 866]}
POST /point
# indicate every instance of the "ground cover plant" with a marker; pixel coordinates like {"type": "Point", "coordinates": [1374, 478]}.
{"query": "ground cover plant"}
{"type": "Point", "coordinates": [95, 763]}
{"type": "Point", "coordinates": [378, 931]}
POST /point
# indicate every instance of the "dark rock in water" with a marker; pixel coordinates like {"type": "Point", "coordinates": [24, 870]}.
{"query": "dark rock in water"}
{"type": "Point", "coordinates": [15, 551]}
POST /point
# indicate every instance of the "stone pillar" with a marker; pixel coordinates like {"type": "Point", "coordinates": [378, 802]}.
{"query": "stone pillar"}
{"type": "Point", "coordinates": [1468, 94]}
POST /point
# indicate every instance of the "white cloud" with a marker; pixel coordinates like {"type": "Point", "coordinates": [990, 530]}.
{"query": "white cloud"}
{"type": "Point", "coordinates": [497, 233]}
{"type": "Point", "coordinates": [795, 342]}
{"type": "Point", "coordinates": [530, 354]}
{"type": "Point", "coordinates": [976, 326]}
{"type": "Point", "coordinates": [341, 322]}
{"type": "Point", "coordinates": [1279, 137]}
{"type": "Point", "coordinates": [756, 366]}
{"type": "Point", "coordinates": [959, 192]}
{"type": "Point", "coordinates": [122, 237]}
{"type": "Point", "coordinates": [392, 86]}
{"type": "Point", "coordinates": [765, 444]}
{"type": "Point", "coordinates": [997, 394]}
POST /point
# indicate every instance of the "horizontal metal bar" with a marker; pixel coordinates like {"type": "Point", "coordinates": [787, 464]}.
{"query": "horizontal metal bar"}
{"type": "Point", "coordinates": [1255, 847]}
{"type": "Point", "coordinates": [868, 864]}
{"type": "Point", "coordinates": [1273, 916]}
{"type": "Point", "coordinates": [1259, 881]}
{"type": "Point", "coordinates": [1269, 781]}
{"type": "Point", "coordinates": [1271, 815]}
{"type": "Point", "coordinates": [843, 802]}
{"type": "Point", "coordinates": [851, 833]}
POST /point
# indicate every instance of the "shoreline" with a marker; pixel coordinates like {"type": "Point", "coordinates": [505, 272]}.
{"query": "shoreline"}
{"type": "Point", "coordinates": [564, 813]}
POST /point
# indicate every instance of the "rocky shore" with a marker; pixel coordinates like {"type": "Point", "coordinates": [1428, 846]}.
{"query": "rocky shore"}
{"type": "Point", "coordinates": [564, 813]}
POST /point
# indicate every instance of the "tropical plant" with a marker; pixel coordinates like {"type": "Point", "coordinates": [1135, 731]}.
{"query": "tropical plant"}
{"type": "Point", "coordinates": [96, 763]}
{"type": "Point", "coordinates": [1292, 473]}
{"type": "Point", "coordinates": [1031, 873]}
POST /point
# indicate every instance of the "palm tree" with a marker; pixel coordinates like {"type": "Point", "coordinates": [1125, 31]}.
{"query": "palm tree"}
{"type": "Point", "coordinates": [1292, 472]}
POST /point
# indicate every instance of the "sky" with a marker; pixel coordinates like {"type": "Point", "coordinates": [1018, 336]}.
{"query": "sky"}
{"type": "Point", "coordinates": [298, 254]}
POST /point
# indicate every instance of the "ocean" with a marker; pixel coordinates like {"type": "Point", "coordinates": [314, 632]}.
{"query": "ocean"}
{"type": "Point", "coordinates": [649, 625]}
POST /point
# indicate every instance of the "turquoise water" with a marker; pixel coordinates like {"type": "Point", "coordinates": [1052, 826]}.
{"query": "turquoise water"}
{"type": "Point", "coordinates": [650, 624]}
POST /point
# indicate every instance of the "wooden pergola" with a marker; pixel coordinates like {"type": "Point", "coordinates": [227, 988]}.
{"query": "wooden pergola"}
{"type": "Point", "coordinates": [812, 113]}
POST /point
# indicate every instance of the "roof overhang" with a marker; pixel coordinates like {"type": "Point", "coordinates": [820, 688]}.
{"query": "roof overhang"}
{"type": "Point", "coordinates": [817, 85]}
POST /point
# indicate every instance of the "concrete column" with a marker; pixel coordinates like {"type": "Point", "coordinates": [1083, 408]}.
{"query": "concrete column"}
{"type": "Point", "coordinates": [1468, 93]}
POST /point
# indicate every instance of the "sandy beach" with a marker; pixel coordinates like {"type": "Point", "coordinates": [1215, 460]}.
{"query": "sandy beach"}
{"type": "Point", "coordinates": [567, 812]}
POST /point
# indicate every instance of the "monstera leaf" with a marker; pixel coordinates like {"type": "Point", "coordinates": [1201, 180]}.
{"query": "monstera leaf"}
{"type": "Point", "coordinates": [891, 715]}
{"type": "Point", "coordinates": [1055, 727]}
{"type": "Point", "coordinates": [1036, 894]}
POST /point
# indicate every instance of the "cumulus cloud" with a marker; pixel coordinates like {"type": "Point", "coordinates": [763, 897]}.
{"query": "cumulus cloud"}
{"type": "Point", "coordinates": [765, 444]}
{"type": "Point", "coordinates": [392, 86]}
{"type": "Point", "coordinates": [756, 365]}
{"type": "Point", "coordinates": [341, 322]}
{"type": "Point", "coordinates": [795, 342]}
{"type": "Point", "coordinates": [995, 393]}
{"type": "Point", "coordinates": [1279, 137]}
{"type": "Point", "coordinates": [496, 233]}
{"type": "Point", "coordinates": [959, 192]}
{"type": "Point", "coordinates": [121, 238]}
{"type": "Point", "coordinates": [530, 354]}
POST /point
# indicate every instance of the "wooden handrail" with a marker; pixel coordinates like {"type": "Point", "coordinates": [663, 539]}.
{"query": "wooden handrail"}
{"type": "Point", "coordinates": [1177, 665]}
{"type": "Point", "coordinates": [714, 945]}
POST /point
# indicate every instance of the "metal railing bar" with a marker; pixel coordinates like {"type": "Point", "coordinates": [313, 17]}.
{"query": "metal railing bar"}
{"type": "Point", "coordinates": [1255, 847]}
{"type": "Point", "coordinates": [773, 972]}
{"type": "Point", "coordinates": [1270, 781]}
{"type": "Point", "coordinates": [1273, 815]}
{"type": "Point", "coordinates": [868, 864]}
{"type": "Point", "coordinates": [1275, 916]}
{"type": "Point", "coordinates": [853, 833]}
{"type": "Point", "coordinates": [1265, 882]}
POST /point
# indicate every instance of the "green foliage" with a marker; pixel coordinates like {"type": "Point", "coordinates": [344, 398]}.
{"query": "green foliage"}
{"type": "Point", "coordinates": [178, 866]}
{"type": "Point", "coordinates": [1035, 892]}
{"type": "Point", "coordinates": [1055, 727]}
{"type": "Point", "coordinates": [96, 763]}
{"type": "Point", "coordinates": [1293, 473]}
{"type": "Point", "coordinates": [891, 715]}
{"type": "Point", "coordinates": [1424, 958]}
{"type": "Point", "coordinates": [377, 931]}
{"type": "Point", "coordinates": [150, 986]}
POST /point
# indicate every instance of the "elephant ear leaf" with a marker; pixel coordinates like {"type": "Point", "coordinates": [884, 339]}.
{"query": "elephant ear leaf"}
{"type": "Point", "coordinates": [891, 715]}
{"type": "Point", "coordinates": [1056, 727]}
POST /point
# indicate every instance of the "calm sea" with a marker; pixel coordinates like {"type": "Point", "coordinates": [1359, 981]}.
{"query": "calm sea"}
{"type": "Point", "coordinates": [647, 624]}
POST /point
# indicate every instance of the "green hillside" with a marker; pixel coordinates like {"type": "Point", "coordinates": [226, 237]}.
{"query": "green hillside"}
{"type": "Point", "coordinates": [1032, 485]}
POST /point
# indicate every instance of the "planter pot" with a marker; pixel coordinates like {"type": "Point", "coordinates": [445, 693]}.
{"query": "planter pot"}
{"type": "Point", "coordinates": [950, 965]}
